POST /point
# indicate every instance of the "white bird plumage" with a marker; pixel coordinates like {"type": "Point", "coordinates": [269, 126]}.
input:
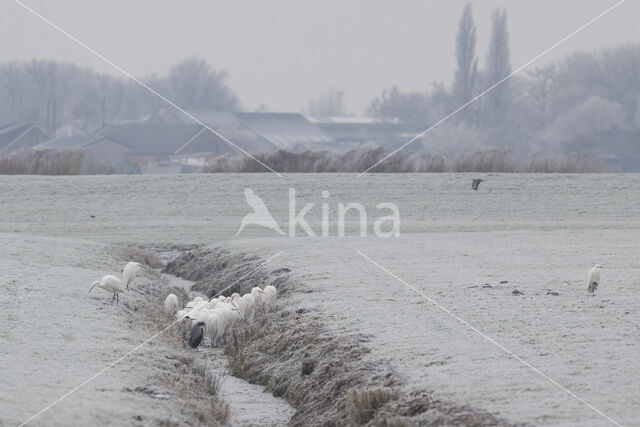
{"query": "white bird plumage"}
{"type": "Point", "coordinates": [220, 314]}
{"type": "Point", "coordinates": [110, 283]}
{"type": "Point", "coordinates": [115, 285]}
{"type": "Point", "coordinates": [269, 295]}
{"type": "Point", "coordinates": [594, 279]}
{"type": "Point", "coordinates": [171, 303]}
{"type": "Point", "coordinates": [130, 271]}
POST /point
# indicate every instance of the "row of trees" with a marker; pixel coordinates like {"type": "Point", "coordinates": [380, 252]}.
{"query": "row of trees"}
{"type": "Point", "coordinates": [86, 98]}
{"type": "Point", "coordinates": [551, 108]}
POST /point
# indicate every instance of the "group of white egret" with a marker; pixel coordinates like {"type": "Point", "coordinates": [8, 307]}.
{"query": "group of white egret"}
{"type": "Point", "coordinates": [114, 284]}
{"type": "Point", "coordinates": [215, 318]}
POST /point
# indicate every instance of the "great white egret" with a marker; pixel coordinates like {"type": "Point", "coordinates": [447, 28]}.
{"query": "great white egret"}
{"type": "Point", "coordinates": [594, 279]}
{"type": "Point", "coordinates": [269, 295]}
{"type": "Point", "coordinates": [246, 305]}
{"type": "Point", "coordinates": [110, 283]}
{"type": "Point", "coordinates": [171, 303]}
{"type": "Point", "coordinates": [129, 272]}
{"type": "Point", "coordinates": [211, 327]}
{"type": "Point", "coordinates": [257, 293]}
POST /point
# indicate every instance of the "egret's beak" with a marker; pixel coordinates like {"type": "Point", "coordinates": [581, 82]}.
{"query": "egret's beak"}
{"type": "Point", "coordinates": [261, 291]}
{"type": "Point", "coordinates": [144, 267]}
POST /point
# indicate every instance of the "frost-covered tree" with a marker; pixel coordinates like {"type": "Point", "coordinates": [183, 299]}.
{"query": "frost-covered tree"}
{"type": "Point", "coordinates": [194, 84]}
{"type": "Point", "coordinates": [497, 68]}
{"type": "Point", "coordinates": [467, 63]}
{"type": "Point", "coordinates": [330, 104]}
{"type": "Point", "coordinates": [581, 123]}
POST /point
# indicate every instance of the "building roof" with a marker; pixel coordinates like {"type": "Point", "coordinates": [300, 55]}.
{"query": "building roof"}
{"type": "Point", "coordinates": [145, 138]}
{"type": "Point", "coordinates": [288, 131]}
{"type": "Point", "coordinates": [236, 130]}
{"type": "Point", "coordinates": [11, 131]}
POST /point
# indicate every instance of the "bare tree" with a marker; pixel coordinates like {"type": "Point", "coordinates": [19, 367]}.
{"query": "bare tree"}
{"type": "Point", "coordinates": [12, 85]}
{"type": "Point", "coordinates": [395, 106]}
{"type": "Point", "coordinates": [331, 104]}
{"type": "Point", "coordinates": [194, 84]}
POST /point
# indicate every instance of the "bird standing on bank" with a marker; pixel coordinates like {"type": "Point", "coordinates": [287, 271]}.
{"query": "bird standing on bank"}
{"type": "Point", "coordinates": [594, 279]}
{"type": "Point", "coordinates": [130, 271]}
{"type": "Point", "coordinates": [195, 337]}
{"type": "Point", "coordinates": [171, 303]}
{"type": "Point", "coordinates": [110, 283]}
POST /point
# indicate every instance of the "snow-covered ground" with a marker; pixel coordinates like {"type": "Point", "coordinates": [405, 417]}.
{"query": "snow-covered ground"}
{"type": "Point", "coordinates": [54, 336]}
{"type": "Point", "coordinates": [536, 232]}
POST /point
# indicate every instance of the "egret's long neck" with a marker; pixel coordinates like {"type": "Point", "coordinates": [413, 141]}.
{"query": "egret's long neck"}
{"type": "Point", "coordinates": [93, 285]}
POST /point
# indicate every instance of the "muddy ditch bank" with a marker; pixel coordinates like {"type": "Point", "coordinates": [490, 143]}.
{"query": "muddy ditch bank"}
{"type": "Point", "coordinates": [322, 373]}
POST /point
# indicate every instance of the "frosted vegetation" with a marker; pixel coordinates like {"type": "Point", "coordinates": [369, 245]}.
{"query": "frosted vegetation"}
{"type": "Point", "coordinates": [489, 160]}
{"type": "Point", "coordinates": [71, 162]}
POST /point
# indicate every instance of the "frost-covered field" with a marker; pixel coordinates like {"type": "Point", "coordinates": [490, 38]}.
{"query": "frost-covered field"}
{"type": "Point", "coordinates": [536, 232]}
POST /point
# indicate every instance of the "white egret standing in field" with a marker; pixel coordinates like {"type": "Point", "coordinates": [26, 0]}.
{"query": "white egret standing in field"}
{"type": "Point", "coordinates": [594, 278]}
{"type": "Point", "coordinates": [113, 284]}
{"type": "Point", "coordinates": [129, 272]}
{"type": "Point", "coordinates": [110, 283]}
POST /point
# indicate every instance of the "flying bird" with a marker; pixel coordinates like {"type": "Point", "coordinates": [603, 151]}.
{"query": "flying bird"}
{"type": "Point", "coordinates": [260, 215]}
{"type": "Point", "coordinates": [476, 183]}
{"type": "Point", "coordinates": [594, 279]}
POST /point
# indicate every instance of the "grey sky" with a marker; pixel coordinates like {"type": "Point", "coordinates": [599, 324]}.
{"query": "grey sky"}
{"type": "Point", "coordinates": [284, 52]}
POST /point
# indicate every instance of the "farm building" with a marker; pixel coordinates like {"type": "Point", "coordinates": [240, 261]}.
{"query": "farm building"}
{"type": "Point", "coordinates": [16, 136]}
{"type": "Point", "coordinates": [152, 148]}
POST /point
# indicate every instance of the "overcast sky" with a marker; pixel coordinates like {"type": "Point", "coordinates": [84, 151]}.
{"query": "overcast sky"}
{"type": "Point", "coordinates": [283, 53]}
